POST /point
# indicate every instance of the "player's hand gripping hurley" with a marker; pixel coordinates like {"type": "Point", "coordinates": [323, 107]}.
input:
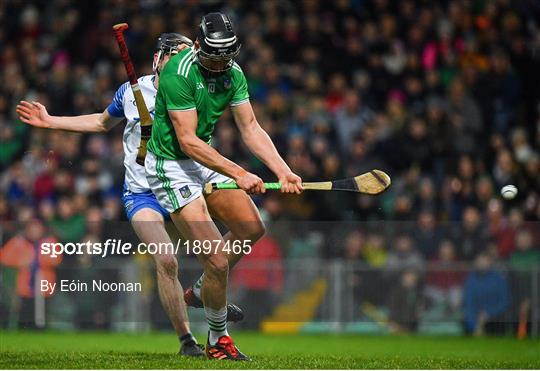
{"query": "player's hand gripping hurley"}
{"type": "Point", "coordinates": [371, 183]}
{"type": "Point", "coordinates": [144, 115]}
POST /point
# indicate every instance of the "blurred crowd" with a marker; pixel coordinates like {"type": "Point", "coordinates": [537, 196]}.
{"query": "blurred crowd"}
{"type": "Point", "coordinates": [442, 95]}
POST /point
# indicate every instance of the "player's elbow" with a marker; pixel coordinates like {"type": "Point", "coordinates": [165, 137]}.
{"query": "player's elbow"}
{"type": "Point", "coordinates": [188, 144]}
{"type": "Point", "coordinates": [103, 123]}
{"type": "Point", "coordinates": [102, 129]}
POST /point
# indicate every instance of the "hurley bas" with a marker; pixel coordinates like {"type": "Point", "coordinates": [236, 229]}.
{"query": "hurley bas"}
{"type": "Point", "coordinates": [92, 286]}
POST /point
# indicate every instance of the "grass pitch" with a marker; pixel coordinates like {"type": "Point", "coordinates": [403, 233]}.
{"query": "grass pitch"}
{"type": "Point", "coordinates": [45, 350]}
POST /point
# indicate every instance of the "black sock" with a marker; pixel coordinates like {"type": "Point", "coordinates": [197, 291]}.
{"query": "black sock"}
{"type": "Point", "coordinates": [187, 339]}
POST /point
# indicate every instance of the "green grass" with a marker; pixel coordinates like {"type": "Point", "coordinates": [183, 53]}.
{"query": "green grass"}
{"type": "Point", "coordinates": [45, 350]}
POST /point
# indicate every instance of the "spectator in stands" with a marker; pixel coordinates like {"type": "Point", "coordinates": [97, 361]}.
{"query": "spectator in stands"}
{"type": "Point", "coordinates": [404, 303]}
{"type": "Point", "coordinates": [527, 254]}
{"type": "Point", "coordinates": [444, 280]}
{"type": "Point", "coordinates": [23, 253]}
{"type": "Point", "coordinates": [404, 255]}
{"type": "Point", "coordinates": [465, 119]}
{"type": "Point", "coordinates": [260, 278]}
{"type": "Point", "coordinates": [486, 298]}
{"type": "Point", "coordinates": [374, 251]}
{"type": "Point", "coordinates": [499, 228]}
{"type": "Point", "coordinates": [350, 119]}
{"type": "Point", "coordinates": [374, 254]}
{"type": "Point", "coordinates": [427, 235]}
{"type": "Point", "coordinates": [69, 224]}
{"type": "Point", "coordinates": [471, 236]}
{"type": "Point", "coordinates": [523, 261]}
{"type": "Point", "coordinates": [426, 199]}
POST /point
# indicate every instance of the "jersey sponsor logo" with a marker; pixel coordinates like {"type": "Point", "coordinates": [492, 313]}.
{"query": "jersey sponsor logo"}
{"type": "Point", "coordinates": [185, 191]}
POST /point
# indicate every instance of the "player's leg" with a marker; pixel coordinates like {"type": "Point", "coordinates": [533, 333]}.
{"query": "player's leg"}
{"type": "Point", "coordinates": [177, 186]}
{"type": "Point", "coordinates": [243, 219]}
{"type": "Point", "coordinates": [146, 218]}
{"type": "Point", "coordinates": [149, 227]}
{"type": "Point", "coordinates": [184, 192]}
{"type": "Point", "coordinates": [195, 224]}
{"type": "Point", "coordinates": [244, 224]}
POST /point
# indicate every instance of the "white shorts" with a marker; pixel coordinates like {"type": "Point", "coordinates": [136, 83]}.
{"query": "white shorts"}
{"type": "Point", "coordinates": [176, 183]}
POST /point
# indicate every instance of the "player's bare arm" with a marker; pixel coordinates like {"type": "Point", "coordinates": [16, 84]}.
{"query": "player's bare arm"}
{"type": "Point", "coordinates": [185, 125]}
{"type": "Point", "coordinates": [260, 144]}
{"type": "Point", "coordinates": [35, 114]}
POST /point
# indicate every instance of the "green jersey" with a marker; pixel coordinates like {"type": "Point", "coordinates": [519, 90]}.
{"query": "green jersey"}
{"type": "Point", "coordinates": [183, 87]}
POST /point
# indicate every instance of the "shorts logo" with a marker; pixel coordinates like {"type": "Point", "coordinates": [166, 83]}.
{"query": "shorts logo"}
{"type": "Point", "coordinates": [185, 191]}
{"type": "Point", "coordinates": [129, 206]}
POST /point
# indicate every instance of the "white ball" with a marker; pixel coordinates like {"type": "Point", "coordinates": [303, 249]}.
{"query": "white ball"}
{"type": "Point", "coordinates": [509, 191]}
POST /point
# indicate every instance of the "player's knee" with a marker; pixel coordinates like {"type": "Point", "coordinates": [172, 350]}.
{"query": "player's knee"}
{"type": "Point", "coordinates": [254, 231]}
{"type": "Point", "coordinates": [218, 265]}
{"type": "Point", "coordinates": [167, 264]}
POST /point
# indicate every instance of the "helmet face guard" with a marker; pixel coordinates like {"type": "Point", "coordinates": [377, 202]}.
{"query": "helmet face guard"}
{"type": "Point", "coordinates": [218, 44]}
{"type": "Point", "coordinates": [216, 63]}
{"type": "Point", "coordinates": [168, 44]}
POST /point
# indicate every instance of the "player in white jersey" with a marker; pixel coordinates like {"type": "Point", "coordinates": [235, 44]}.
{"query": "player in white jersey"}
{"type": "Point", "coordinates": [142, 208]}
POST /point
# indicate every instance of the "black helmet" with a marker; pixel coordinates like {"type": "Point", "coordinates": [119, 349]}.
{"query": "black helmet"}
{"type": "Point", "coordinates": [218, 44]}
{"type": "Point", "coordinates": [168, 43]}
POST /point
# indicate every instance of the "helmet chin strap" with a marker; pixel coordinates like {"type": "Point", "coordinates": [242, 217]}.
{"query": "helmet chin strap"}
{"type": "Point", "coordinates": [155, 64]}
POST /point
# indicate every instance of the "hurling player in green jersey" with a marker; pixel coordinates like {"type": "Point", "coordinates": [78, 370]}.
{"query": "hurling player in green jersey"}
{"type": "Point", "coordinates": [196, 86]}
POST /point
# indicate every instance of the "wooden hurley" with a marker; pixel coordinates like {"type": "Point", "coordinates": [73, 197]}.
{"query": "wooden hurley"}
{"type": "Point", "coordinates": [371, 183]}
{"type": "Point", "coordinates": [144, 115]}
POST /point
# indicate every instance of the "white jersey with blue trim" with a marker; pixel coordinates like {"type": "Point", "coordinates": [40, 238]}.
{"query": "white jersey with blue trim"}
{"type": "Point", "coordinates": [123, 105]}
